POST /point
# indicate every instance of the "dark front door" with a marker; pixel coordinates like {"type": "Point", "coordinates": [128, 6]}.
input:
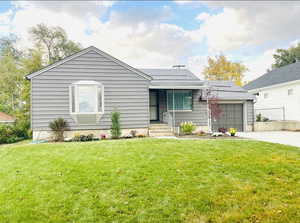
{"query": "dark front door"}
{"type": "Point", "coordinates": [231, 117]}
{"type": "Point", "coordinates": [153, 106]}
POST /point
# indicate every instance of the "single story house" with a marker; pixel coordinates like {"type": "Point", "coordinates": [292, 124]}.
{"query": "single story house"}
{"type": "Point", "coordinates": [86, 87]}
{"type": "Point", "coordinates": [6, 119]}
{"type": "Point", "coordinates": [278, 93]}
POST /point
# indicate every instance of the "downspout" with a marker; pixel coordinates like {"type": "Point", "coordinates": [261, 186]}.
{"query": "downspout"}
{"type": "Point", "coordinates": [173, 98]}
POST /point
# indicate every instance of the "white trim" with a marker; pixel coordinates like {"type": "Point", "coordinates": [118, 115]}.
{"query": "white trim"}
{"type": "Point", "coordinates": [255, 90]}
{"type": "Point", "coordinates": [91, 48]}
{"type": "Point", "coordinates": [11, 121]}
{"type": "Point", "coordinates": [96, 86]}
{"type": "Point", "coordinates": [177, 87]}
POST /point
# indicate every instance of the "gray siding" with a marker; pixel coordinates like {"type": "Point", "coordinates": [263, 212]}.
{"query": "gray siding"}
{"type": "Point", "coordinates": [250, 112]}
{"type": "Point", "coordinates": [199, 114]}
{"type": "Point", "coordinates": [123, 89]}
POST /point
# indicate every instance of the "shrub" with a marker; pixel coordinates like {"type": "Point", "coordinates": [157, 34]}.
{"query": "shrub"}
{"type": "Point", "coordinates": [8, 135]}
{"type": "Point", "coordinates": [232, 131]}
{"type": "Point", "coordinates": [59, 126]}
{"type": "Point", "coordinates": [260, 118]}
{"type": "Point", "coordinates": [133, 133]}
{"type": "Point", "coordinates": [141, 135]}
{"type": "Point", "coordinates": [223, 130]}
{"type": "Point", "coordinates": [103, 136]}
{"type": "Point", "coordinates": [201, 133]}
{"type": "Point", "coordinates": [115, 125]}
{"type": "Point", "coordinates": [187, 127]}
{"type": "Point", "coordinates": [90, 137]}
{"type": "Point", "coordinates": [22, 129]}
{"type": "Point", "coordinates": [83, 138]}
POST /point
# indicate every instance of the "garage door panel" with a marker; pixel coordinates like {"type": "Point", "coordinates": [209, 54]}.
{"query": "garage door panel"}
{"type": "Point", "coordinates": [232, 117]}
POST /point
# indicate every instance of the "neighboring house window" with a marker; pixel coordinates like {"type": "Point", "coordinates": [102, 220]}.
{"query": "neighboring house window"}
{"type": "Point", "coordinates": [266, 95]}
{"type": "Point", "coordinates": [290, 91]}
{"type": "Point", "coordinates": [183, 100]}
{"type": "Point", "coordinates": [86, 98]}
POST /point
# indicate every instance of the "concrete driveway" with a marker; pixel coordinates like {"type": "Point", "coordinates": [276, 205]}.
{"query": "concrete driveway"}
{"type": "Point", "coordinates": [282, 137]}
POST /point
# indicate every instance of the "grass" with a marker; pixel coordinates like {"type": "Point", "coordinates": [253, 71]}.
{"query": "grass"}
{"type": "Point", "coordinates": [150, 180]}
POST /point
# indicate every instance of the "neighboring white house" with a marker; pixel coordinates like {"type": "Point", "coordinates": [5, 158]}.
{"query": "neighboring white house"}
{"type": "Point", "coordinates": [278, 93]}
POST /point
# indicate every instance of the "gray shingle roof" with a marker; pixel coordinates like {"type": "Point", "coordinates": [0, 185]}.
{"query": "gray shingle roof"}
{"type": "Point", "coordinates": [172, 77]}
{"type": "Point", "coordinates": [224, 90]}
{"type": "Point", "coordinates": [227, 90]}
{"type": "Point", "coordinates": [280, 75]}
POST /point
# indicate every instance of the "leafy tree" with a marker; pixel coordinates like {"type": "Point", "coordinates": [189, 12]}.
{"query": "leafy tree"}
{"type": "Point", "coordinates": [220, 68]}
{"type": "Point", "coordinates": [55, 41]}
{"type": "Point", "coordinates": [284, 57]}
{"type": "Point", "coordinates": [8, 46]}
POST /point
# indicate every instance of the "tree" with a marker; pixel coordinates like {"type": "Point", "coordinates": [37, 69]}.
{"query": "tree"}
{"type": "Point", "coordinates": [284, 57]}
{"type": "Point", "coordinates": [8, 46]}
{"type": "Point", "coordinates": [220, 68]}
{"type": "Point", "coordinates": [55, 41]}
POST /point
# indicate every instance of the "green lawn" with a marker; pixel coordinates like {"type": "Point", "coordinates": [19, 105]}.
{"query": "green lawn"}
{"type": "Point", "coordinates": [150, 180]}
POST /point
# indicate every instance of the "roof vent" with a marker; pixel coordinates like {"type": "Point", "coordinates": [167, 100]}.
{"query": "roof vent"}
{"type": "Point", "coordinates": [178, 66]}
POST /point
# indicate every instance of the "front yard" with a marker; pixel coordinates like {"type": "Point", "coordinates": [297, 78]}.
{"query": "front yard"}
{"type": "Point", "coordinates": [150, 180]}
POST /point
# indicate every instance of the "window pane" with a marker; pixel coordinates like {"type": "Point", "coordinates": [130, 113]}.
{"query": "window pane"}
{"type": "Point", "coordinates": [182, 100]}
{"type": "Point", "coordinates": [86, 98]}
{"type": "Point", "coordinates": [187, 101]}
{"type": "Point", "coordinates": [170, 100]}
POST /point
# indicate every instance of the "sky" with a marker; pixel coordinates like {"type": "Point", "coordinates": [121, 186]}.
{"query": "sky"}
{"type": "Point", "coordinates": [159, 34]}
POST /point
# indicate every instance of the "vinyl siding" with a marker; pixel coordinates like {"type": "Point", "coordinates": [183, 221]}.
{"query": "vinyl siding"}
{"type": "Point", "coordinates": [250, 112]}
{"type": "Point", "coordinates": [199, 114]}
{"type": "Point", "coordinates": [124, 90]}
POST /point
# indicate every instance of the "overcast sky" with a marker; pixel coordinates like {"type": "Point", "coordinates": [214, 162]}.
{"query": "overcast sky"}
{"type": "Point", "coordinates": [161, 34]}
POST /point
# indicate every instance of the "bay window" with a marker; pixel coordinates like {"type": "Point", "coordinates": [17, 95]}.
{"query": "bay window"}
{"type": "Point", "coordinates": [180, 100]}
{"type": "Point", "coordinates": [86, 101]}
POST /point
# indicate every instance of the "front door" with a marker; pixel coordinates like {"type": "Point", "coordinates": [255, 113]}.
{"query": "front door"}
{"type": "Point", "coordinates": [153, 106]}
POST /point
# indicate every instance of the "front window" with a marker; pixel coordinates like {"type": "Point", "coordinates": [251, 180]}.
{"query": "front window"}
{"type": "Point", "coordinates": [180, 100]}
{"type": "Point", "coordinates": [290, 92]}
{"type": "Point", "coordinates": [86, 97]}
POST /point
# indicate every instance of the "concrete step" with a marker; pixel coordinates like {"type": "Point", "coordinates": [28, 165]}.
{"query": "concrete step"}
{"type": "Point", "coordinates": [159, 126]}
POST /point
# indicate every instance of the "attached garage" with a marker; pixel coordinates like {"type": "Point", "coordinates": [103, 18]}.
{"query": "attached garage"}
{"type": "Point", "coordinates": [232, 117]}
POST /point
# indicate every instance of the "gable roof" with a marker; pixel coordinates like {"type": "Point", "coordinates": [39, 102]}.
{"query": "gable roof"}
{"type": "Point", "coordinates": [280, 75]}
{"type": "Point", "coordinates": [91, 48]}
{"type": "Point", "coordinates": [6, 118]}
{"type": "Point", "coordinates": [172, 77]}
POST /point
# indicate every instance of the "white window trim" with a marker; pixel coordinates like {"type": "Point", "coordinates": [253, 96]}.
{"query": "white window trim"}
{"type": "Point", "coordinates": [76, 104]}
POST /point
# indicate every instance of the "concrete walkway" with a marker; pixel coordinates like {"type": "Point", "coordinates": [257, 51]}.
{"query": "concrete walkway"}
{"type": "Point", "coordinates": [282, 137]}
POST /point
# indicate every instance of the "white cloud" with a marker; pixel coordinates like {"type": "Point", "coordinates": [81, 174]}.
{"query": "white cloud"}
{"type": "Point", "coordinates": [259, 65]}
{"type": "Point", "coordinates": [140, 38]}
{"type": "Point", "coordinates": [202, 16]}
{"type": "Point", "coordinates": [249, 24]}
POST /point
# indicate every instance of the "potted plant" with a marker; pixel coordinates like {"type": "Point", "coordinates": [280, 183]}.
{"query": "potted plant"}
{"type": "Point", "coordinates": [232, 131]}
